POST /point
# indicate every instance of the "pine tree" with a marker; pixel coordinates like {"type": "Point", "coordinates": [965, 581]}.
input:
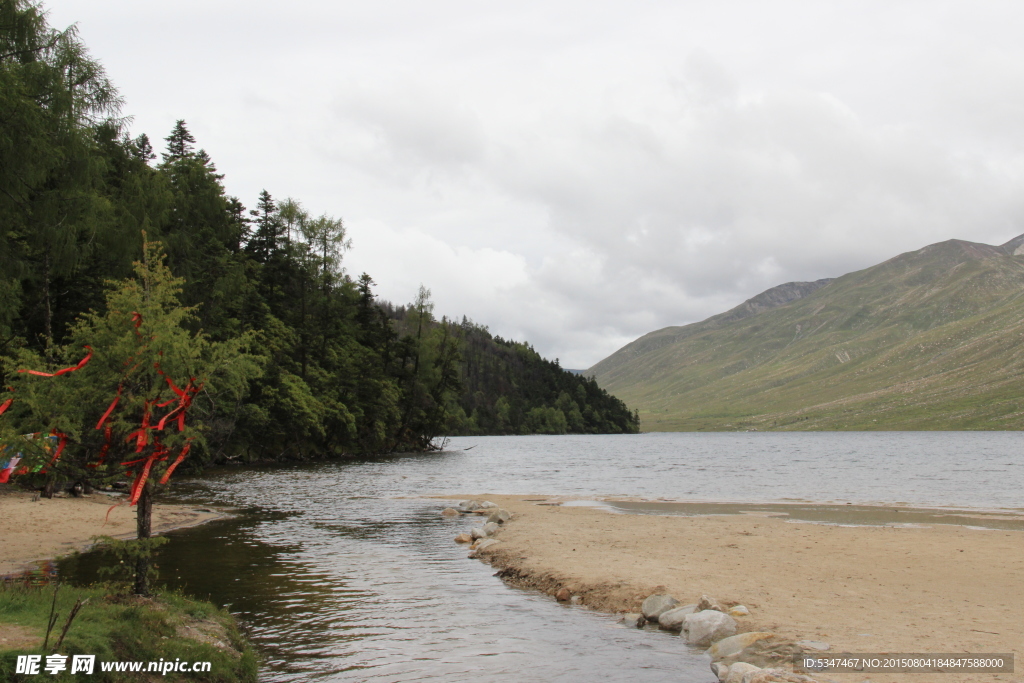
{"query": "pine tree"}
{"type": "Point", "coordinates": [179, 143]}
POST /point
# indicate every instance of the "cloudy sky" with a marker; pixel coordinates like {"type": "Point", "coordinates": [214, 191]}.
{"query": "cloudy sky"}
{"type": "Point", "coordinates": [577, 174]}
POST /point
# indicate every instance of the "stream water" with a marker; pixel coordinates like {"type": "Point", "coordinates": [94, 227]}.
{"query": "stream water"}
{"type": "Point", "coordinates": [346, 572]}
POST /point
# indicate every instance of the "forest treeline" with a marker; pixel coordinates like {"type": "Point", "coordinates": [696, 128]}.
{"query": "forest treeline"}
{"type": "Point", "coordinates": [339, 372]}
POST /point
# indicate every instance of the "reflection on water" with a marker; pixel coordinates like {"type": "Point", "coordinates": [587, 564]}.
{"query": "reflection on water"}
{"type": "Point", "coordinates": [346, 572]}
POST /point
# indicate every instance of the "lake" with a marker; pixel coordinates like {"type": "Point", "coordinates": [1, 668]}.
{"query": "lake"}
{"type": "Point", "coordinates": [345, 571]}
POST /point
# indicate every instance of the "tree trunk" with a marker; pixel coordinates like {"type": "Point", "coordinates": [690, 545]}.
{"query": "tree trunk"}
{"type": "Point", "coordinates": [143, 526]}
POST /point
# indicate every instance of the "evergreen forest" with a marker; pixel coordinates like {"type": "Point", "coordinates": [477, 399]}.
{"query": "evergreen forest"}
{"type": "Point", "coordinates": [312, 363]}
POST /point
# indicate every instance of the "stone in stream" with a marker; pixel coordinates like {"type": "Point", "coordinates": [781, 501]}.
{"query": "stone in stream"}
{"type": "Point", "coordinates": [487, 504]}
{"type": "Point", "coordinates": [463, 538]}
{"type": "Point", "coordinates": [490, 528]}
{"type": "Point", "coordinates": [672, 620]}
{"type": "Point", "coordinates": [563, 594]}
{"type": "Point", "coordinates": [477, 532]}
{"type": "Point", "coordinates": [633, 620]}
{"type": "Point", "coordinates": [704, 628]}
{"type": "Point", "coordinates": [469, 505]}
{"type": "Point", "coordinates": [656, 605]}
{"type": "Point", "coordinates": [576, 600]}
{"type": "Point", "coordinates": [733, 645]}
{"type": "Point", "coordinates": [706, 603]}
{"type": "Point", "coordinates": [449, 512]}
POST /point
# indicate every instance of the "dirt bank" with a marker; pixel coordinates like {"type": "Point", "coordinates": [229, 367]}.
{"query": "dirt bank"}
{"type": "Point", "coordinates": [35, 529]}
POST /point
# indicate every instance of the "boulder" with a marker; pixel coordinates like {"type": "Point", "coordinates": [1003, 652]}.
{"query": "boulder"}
{"type": "Point", "coordinates": [705, 627]}
{"type": "Point", "coordinates": [738, 611]}
{"type": "Point", "coordinates": [563, 594]}
{"type": "Point", "coordinates": [485, 543]}
{"type": "Point", "coordinates": [672, 620]}
{"type": "Point", "coordinates": [576, 600]}
{"type": "Point", "coordinates": [487, 504]}
{"type": "Point", "coordinates": [775, 676]}
{"type": "Point", "coordinates": [656, 605]}
{"type": "Point", "coordinates": [738, 670]}
{"type": "Point", "coordinates": [706, 603]}
{"type": "Point", "coordinates": [499, 516]}
{"type": "Point", "coordinates": [490, 528]}
{"type": "Point", "coordinates": [633, 620]}
{"type": "Point", "coordinates": [450, 512]}
{"type": "Point", "coordinates": [733, 645]}
{"type": "Point", "coordinates": [720, 670]}
{"type": "Point", "coordinates": [463, 538]}
{"type": "Point", "coordinates": [477, 532]}
{"type": "Point", "coordinates": [815, 645]}
{"type": "Point", "coordinates": [469, 505]}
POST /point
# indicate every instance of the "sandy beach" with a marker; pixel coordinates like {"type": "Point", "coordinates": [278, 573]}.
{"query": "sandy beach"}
{"type": "Point", "coordinates": [931, 588]}
{"type": "Point", "coordinates": [36, 529]}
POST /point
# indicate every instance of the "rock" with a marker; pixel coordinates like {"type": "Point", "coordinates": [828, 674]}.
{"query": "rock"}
{"type": "Point", "coordinates": [768, 653]}
{"type": "Point", "coordinates": [463, 538]}
{"type": "Point", "coordinates": [469, 505]}
{"type": "Point", "coordinates": [563, 594]}
{"type": "Point", "coordinates": [450, 512]}
{"type": "Point", "coordinates": [738, 611]}
{"type": "Point", "coordinates": [487, 504]}
{"type": "Point", "coordinates": [720, 670]}
{"type": "Point", "coordinates": [706, 603]}
{"type": "Point", "coordinates": [775, 676]}
{"type": "Point", "coordinates": [733, 645]}
{"type": "Point", "coordinates": [499, 516]}
{"type": "Point", "coordinates": [490, 528]}
{"type": "Point", "coordinates": [633, 620]}
{"type": "Point", "coordinates": [705, 627]}
{"type": "Point", "coordinates": [576, 600]}
{"type": "Point", "coordinates": [738, 670]}
{"type": "Point", "coordinates": [477, 532]}
{"type": "Point", "coordinates": [656, 605]}
{"type": "Point", "coordinates": [485, 543]}
{"type": "Point", "coordinates": [814, 645]}
{"type": "Point", "coordinates": [672, 620]}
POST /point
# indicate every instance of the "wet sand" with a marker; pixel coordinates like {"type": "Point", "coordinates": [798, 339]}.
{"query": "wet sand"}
{"type": "Point", "coordinates": [42, 529]}
{"type": "Point", "coordinates": [910, 584]}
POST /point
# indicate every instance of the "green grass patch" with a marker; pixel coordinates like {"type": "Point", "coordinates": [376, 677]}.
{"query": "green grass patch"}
{"type": "Point", "coordinates": [118, 628]}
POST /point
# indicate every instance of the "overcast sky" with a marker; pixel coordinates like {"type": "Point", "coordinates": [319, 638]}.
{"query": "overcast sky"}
{"type": "Point", "coordinates": [576, 174]}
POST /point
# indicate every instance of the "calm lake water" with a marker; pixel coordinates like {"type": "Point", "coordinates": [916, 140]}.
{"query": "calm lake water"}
{"type": "Point", "coordinates": [346, 572]}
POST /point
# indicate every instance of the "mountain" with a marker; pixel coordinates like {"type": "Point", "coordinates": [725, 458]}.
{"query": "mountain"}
{"type": "Point", "coordinates": [929, 339]}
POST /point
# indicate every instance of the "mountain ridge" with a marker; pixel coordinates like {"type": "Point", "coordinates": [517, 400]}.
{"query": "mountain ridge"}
{"type": "Point", "coordinates": [842, 354]}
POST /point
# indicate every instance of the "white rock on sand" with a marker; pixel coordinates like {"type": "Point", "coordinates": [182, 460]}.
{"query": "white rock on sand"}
{"type": "Point", "coordinates": [703, 628]}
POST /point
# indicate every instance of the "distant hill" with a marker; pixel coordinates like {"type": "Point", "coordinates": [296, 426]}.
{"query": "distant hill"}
{"type": "Point", "coordinates": [930, 339]}
{"type": "Point", "coordinates": [506, 387]}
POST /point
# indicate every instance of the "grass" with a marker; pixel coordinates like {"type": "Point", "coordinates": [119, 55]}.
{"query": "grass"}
{"type": "Point", "coordinates": [118, 627]}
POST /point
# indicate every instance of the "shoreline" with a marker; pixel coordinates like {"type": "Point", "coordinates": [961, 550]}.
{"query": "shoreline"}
{"type": "Point", "coordinates": [37, 530]}
{"type": "Point", "coordinates": [891, 588]}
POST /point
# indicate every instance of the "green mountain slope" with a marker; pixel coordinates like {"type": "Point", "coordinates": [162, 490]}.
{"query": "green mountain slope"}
{"type": "Point", "coordinates": [930, 339]}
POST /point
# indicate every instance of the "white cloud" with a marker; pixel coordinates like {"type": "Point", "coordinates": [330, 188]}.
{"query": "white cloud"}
{"type": "Point", "coordinates": [577, 174]}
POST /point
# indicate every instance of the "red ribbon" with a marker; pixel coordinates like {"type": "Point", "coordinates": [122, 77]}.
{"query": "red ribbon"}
{"type": "Point", "coordinates": [81, 364]}
{"type": "Point", "coordinates": [177, 461]}
{"type": "Point", "coordinates": [6, 405]}
{"type": "Point", "coordinates": [140, 480]}
{"type": "Point", "coordinates": [113, 404]}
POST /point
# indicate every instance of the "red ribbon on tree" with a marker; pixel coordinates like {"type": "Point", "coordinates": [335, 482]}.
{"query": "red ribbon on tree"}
{"type": "Point", "coordinates": [81, 364]}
